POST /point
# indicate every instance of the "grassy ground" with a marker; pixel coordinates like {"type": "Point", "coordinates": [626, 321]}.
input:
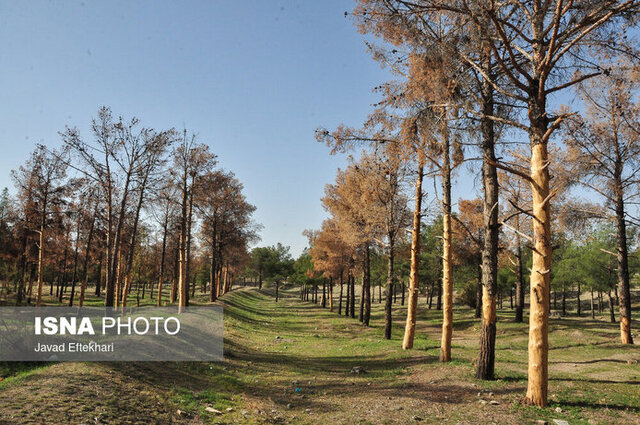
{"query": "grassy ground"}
{"type": "Point", "coordinates": [291, 363]}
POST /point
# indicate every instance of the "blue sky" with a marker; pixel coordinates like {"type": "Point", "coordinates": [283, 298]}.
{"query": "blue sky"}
{"type": "Point", "coordinates": [253, 79]}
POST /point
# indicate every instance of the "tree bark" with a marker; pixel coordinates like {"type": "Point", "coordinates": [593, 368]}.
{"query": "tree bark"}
{"type": "Point", "coordinates": [85, 266]}
{"type": "Point", "coordinates": [324, 294]}
{"type": "Point", "coordinates": [163, 255]}
{"type": "Point", "coordinates": [43, 223]}
{"type": "Point", "coordinates": [389, 292]}
{"type": "Point", "coordinates": [519, 277]}
{"type": "Point", "coordinates": [75, 266]}
{"type": "Point", "coordinates": [366, 286]}
{"type": "Point", "coordinates": [612, 315]}
{"type": "Point", "coordinates": [99, 280]}
{"type": "Point", "coordinates": [622, 257]}
{"type": "Point", "coordinates": [447, 272]}
{"type": "Point", "coordinates": [538, 372]}
{"type": "Point", "coordinates": [183, 279]}
{"type": "Point", "coordinates": [478, 312]}
{"type": "Point", "coordinates": [486, 356]}
{"type": "Point", "coordinates": [340, 299]}
{"type": "Point", "coordinates": [331, 294]}
{"type": "Point", "coordinates": [353, 296]}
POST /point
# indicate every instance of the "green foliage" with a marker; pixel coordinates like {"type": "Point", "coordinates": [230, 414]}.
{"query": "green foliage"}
{"type": "Point", "coordinates": [273, 263]}
{"type": "Point", "coordinates": [587, 263]}
{"type": "Point", "coordinates": [430, 254]}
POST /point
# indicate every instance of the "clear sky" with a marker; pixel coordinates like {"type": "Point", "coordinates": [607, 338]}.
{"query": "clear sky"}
{"type": "Point", "coordinates": [252, 78]}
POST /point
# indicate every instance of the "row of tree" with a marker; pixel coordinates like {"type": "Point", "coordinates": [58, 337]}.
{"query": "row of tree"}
{"type": "Point", "coordinates": [479, 77]}
{"type": "Point", "coordinates": [135, 210]}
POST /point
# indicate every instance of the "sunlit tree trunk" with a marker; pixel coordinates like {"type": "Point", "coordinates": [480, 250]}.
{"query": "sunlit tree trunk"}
{"type": "Point", "coordinates": [622, 257]}
{"type": "Point", "coordinates": [447, 272]}
{"type": "Point", "coordinates": [538, 372]}
{"type": "Point", "coordinates": [173, 294]}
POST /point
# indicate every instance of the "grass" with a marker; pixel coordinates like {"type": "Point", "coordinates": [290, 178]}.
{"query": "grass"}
{"type": "Point", "coordinates": [290, 363]}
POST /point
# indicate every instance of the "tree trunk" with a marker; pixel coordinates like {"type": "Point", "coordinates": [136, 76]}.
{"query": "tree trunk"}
{"type": "Point", "coordinates": [64, 275]}
{"type": "Point", "coordinates": [389, 294]}
{"type": "Point", "coordinates": [99, 280]}
{"type": "Point", "coordinates": [538, 373]}
{"type": "Point", "coordinates": [579, 304]}
{"type": "Point", "coordinates": [612, 314]}
{"type": "Point", "coordinates": [348, 298]}
{"type": "Point", "coordinates": [361, 314]}
{"type": "Point", "coordinates": [478, 312]}
{"type": "Point", "coordinates": [624, 293]}
{"type": "Point", "coordinates": [593, 307]}
{"type": "Point", "coordinates": [600, 302]}
{"type": "Point", "coordinates": [114, 272]}
{"type": "Point", "coordinates": [447, 275]}
{"type": "Point", "coordinates": [85, 266]}
{"type": "Point", "coordinates": [324, 294]}
{"type": "Point", "coordinates": [331, 295]}
{"type": "Point", "coordinates": [183, 278]}
{"type": "Point", "coordinates": [163, 255]}
{"type": "Point", "coordinates": [340, 299]}
{"type": "Point", "coordinates": [21, 281]}
{"type": "Point", "coordinates": [41, 250]}
{"type": "Point", "coordinates": [353, 297]}
{"type": "Point", "coordinates": [212, 272]}
{"type": "Point", "coordinates": [486, 356]}
{"type": "Point", "coordinates": [366, 286]}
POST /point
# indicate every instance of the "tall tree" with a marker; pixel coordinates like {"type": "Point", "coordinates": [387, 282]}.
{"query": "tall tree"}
{"type": "Point", "coordinates": [43, 177]}
{"type": "Point", "coordinates": [605, 146]}
{"type": "Point", "coordinates": [190, 161]}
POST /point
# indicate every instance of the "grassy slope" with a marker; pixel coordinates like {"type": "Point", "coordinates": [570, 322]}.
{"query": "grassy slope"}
{"type": "Point", "coordinates": [290, 363]}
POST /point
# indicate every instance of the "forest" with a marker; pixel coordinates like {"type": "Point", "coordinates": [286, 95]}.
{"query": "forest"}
{"type": "Point", "coordinates": [517, 305]}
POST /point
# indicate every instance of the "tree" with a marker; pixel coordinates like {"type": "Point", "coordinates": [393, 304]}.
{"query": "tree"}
{"type": "Point", "coordinates": [605, 147]}
{"type": "Point", "coordinates": [278, 266]}
{"type": "Point", "coordinates": [226, 217]}
{"type": "Point", "coordinates": [190, 161]}
{"type": "Point", "coordinates": [43, 179]}
{"type": "Point", "coordinates": [257, 265]}
{"type": "Point", "coordinates": [113, 161]}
